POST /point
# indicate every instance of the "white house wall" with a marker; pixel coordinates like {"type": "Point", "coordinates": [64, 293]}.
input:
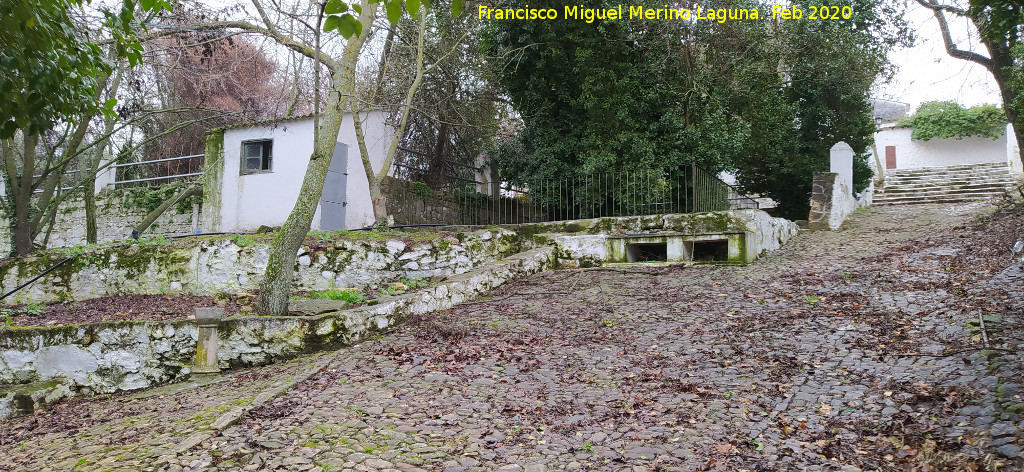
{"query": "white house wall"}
{"type": "Point", "coordinates": [266, 198]}
{"type": "Point", "coordinates": [912, 154]}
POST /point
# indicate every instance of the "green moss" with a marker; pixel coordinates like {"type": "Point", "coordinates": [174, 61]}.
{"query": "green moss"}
{"type": "Point", "coordinates": [510, 243]}
{"type": "Point", "coordinates": [135, 261]}
{"type": "Point", "coordinates": [338, 260]}
{"type": "Point", "coordinates": [440, 246]}
{"type": "Point", "coordinates": [29, 388]}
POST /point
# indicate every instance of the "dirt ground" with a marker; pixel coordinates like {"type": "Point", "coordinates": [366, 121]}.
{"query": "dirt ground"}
{"type": "Point", "coordinates": [120, 308]}
{"type": "Point", "coordinates": [893, 344]}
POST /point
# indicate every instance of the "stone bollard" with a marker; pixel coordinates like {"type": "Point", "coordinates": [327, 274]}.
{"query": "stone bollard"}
{"type": "Point", "coordinates": [206, 346]}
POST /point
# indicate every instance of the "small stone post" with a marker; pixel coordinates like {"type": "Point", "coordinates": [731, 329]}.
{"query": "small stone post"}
{"type": "Point", "coordinates": [206, 345]}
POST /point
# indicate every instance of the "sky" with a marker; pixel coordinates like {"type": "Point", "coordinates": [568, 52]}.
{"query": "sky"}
{"type": "Point", "coordinates": [927, 73]}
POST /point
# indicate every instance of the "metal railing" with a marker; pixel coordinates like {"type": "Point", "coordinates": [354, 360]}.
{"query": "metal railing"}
{"type": "Point", "coordinates": [635, 192]}
{"type": "Point", "coordinates": [69, 180]}
{"type": "Point", "coordinates": [158, 171]}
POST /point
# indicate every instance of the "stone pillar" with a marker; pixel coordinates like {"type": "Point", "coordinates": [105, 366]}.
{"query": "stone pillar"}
{"type": "Point", "coordinates": [206, 346]}
{"type": "Point", "coordinates": [842, 163]}
{"type": "Point", "coordinates": [1013, 154]}
{"type": "Point", "coordinates": [106, 177]}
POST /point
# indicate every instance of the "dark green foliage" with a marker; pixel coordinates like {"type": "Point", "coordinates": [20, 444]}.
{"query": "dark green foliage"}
{"type": "Point", "coordinates": [421, 189]}
{"type": "Point", "coordinates": [943, 119]}
{"type": "Point", "coordinates": [764, 99]}
{"type": "Point", "coordinates": [862, 173]}
{"type": "Point", "coordinates": [594, 97]}
{"type": "Point", "coordinates": [1016, 82]}
{"type": "Point", "coordinates": [49, 67]}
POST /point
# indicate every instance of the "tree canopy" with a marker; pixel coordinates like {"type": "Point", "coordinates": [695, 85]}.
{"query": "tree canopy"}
{"type": "Point", "coordinates": [764, 98]}
{"type": "Point", "coordinates": [49, 68]}
{"type": "Point", "coordinates": [945, 119]}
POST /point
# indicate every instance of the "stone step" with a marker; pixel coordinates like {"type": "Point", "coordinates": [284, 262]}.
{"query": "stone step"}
{"type": "Point", "coordinates": [956, 175]}
{"type": "Point", "coordinates": [997, 188]}
{"type": "Point", "coordinates": [957, 168]}
{"type": "Point", "coordinates": [967, 197]}
{"type": "Point", "coordinates": [947, 183]}
{"type": "Point", "coordinates": [941, 173]}
{"type": "Point", "coordinates": [959, 181]}
{"type": "Point", "coordinates": [952, 184]}
{"type": "Point", "coordinates": [999, 176]}
{"type": "Point", "coordinates": [932, 170]}
{"type": "Point", "coordinates": [938, 198]}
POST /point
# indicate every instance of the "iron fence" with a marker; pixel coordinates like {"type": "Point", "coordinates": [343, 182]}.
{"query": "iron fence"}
{"type": "Point", "coordinates": [157, 171]}
{"type": "Point", "coordinates": [635, 192]}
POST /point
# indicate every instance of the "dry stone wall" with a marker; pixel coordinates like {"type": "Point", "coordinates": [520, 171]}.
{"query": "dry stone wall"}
{"type": "Point", "coordinates": [115, 220]}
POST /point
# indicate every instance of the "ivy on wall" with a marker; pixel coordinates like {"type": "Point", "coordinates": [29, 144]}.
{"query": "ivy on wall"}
{"type": "Point", "coordinates": [149, 199]}
{"type": "Point", "coordinates": [945, 119]}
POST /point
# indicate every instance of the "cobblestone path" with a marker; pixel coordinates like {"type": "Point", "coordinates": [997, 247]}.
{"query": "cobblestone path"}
{"type": "Point", "coordinates": [861, 349]}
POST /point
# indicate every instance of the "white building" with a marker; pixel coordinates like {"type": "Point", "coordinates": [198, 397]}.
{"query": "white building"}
{"type": "Point", "coordinates": [257, 180]}
{"type": "Point", "coordinates": [897, 151]}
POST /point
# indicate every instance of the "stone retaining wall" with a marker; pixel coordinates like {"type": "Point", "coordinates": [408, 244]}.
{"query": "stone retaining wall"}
{"type": "Point", "coordinates": [593, 242]}
{"type": "Point", "coordinates": [218, 264]}
{"type": "Point", "coordinates": [115, 356]}
{"type": "Point", "coordinates": [115, 220]}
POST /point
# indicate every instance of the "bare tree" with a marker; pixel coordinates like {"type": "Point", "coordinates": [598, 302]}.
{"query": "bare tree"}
{"type": "Point", "coordinates": [1000, 24]}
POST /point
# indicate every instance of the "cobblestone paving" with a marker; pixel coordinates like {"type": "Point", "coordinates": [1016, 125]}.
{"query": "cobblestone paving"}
{"type": "Point", "coordinates": [854, 350]}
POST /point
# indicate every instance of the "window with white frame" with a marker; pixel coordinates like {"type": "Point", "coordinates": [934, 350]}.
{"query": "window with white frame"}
{"type": "Point", "coordinates": [256, 156]}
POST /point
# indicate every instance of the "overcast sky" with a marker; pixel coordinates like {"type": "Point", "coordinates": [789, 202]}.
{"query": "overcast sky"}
{"type": "Point", "coordinates": [928, 73]}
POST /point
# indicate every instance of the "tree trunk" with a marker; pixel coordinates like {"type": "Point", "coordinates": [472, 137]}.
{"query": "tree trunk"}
{"type": "Point", "coordinates": [1001, 67]}
{"type": "Point", "coordinates": [276, 286]}
{"type": "Point", "coordinates": [23, 230]}
{"type": "Point", "coordinates": [380, 208]}
{"type": "Point", "coordinates": [90, 210]}
{"type": "Point", "coordinates": [374, 179]}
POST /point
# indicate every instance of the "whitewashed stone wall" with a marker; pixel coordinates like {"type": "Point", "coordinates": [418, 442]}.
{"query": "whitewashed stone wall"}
{"type": "Point", "coordinates": [217, 264]}
{"type": "Point", "coordinates": [832, 198]}
{"type": "Point", "coordinates": [911, 154]}
{"type": "Point", "coordinates": [764, 232]}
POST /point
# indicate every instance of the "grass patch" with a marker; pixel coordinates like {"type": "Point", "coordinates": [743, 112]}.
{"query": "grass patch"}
{"type": "Point", "coordinates": [350, 297]}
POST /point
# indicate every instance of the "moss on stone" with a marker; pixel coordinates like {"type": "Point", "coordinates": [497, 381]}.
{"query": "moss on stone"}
{"type": "Point", "coordinates": [29, 388]}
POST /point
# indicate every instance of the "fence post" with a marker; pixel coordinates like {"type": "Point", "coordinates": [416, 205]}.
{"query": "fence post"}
{"type": "Point", "coordinates": [693, 187]}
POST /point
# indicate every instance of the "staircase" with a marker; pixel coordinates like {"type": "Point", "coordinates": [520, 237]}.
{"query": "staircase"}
{"type": "Point", "coordinates": [944, 184]}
